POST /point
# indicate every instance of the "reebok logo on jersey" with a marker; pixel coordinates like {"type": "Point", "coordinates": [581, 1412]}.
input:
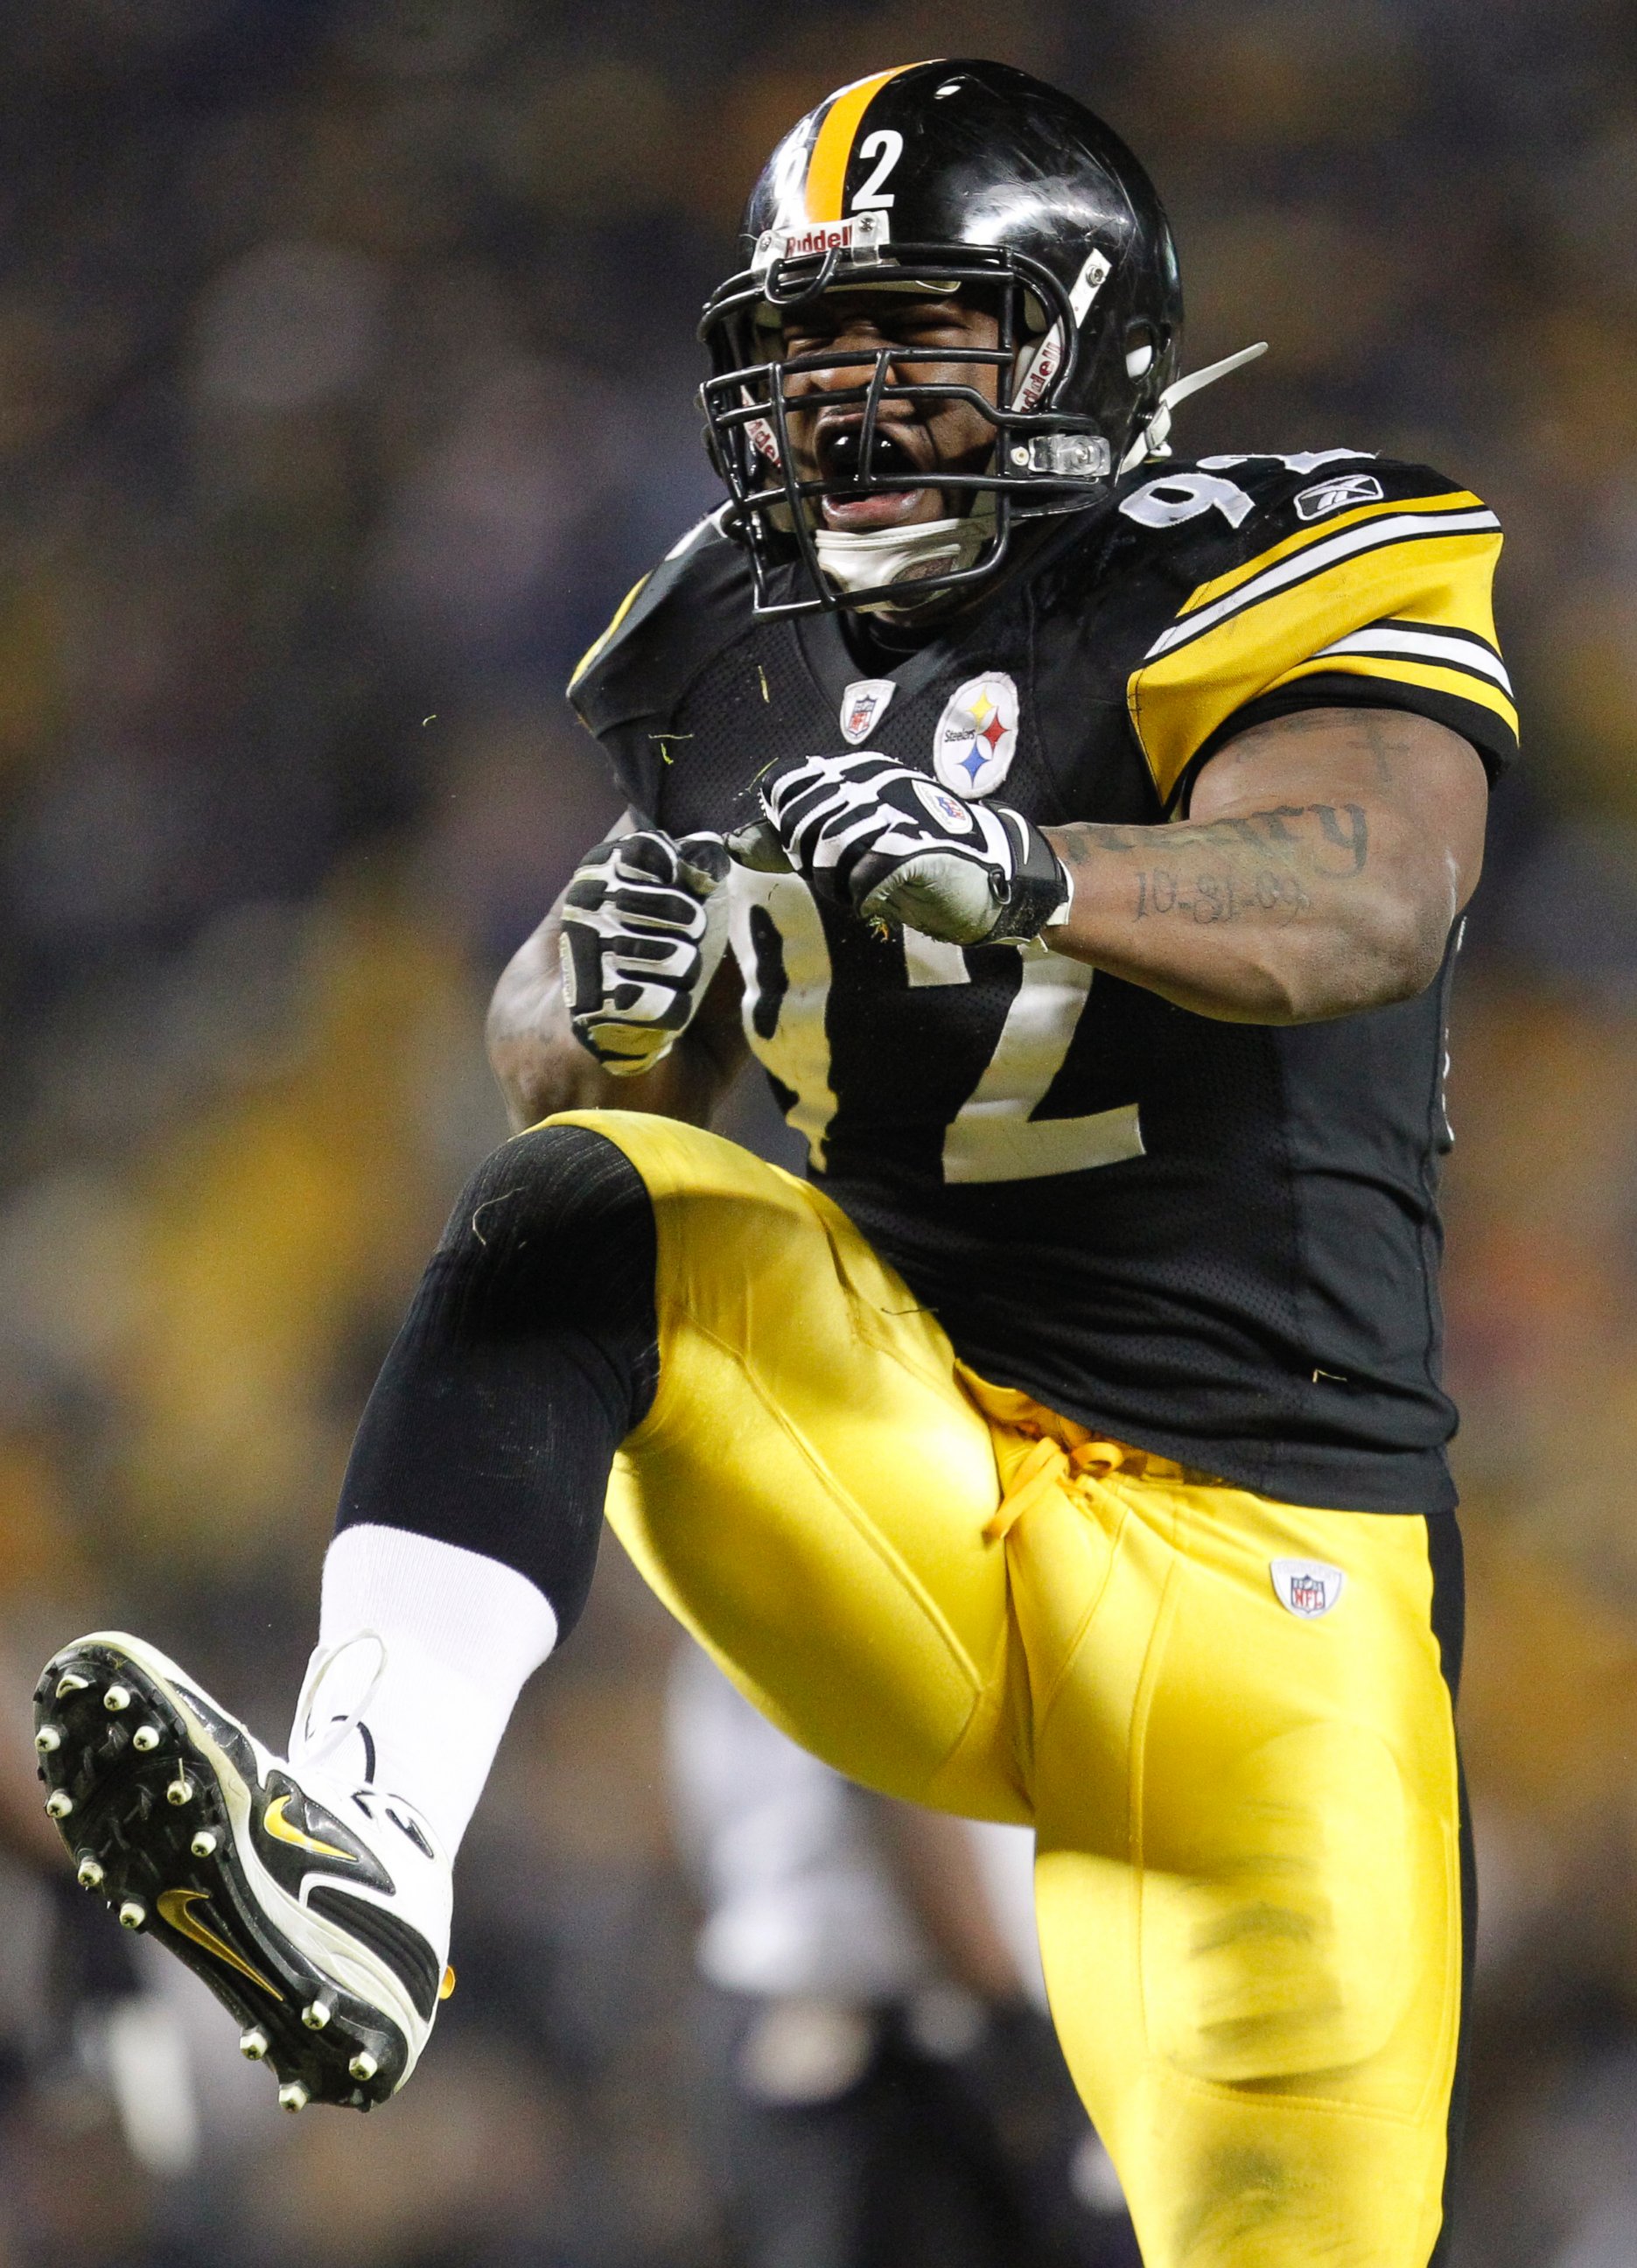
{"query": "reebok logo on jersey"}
{"type": "Point", "coordinates": [977, 735]}
{"type": "Point", "coordinates": [1325, 497]}
{"type": "Point", "coordinates": [864, 704]}
{"type": "Point", "coordinates": [1307, 1588]}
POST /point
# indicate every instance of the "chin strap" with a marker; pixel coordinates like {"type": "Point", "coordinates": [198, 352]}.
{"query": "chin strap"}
{"type": "Point", "coordinates": [1154, 439]}
{"type": "Point", "coordinates": [879, 555]}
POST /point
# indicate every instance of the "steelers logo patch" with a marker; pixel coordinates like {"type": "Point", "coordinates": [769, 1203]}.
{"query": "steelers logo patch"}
{"type": "Point", "coordinates": [976, 736]}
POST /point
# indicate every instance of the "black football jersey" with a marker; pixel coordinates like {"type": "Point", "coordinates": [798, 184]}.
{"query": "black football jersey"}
{"type": "Point", "coordinates": [1216, 1240]}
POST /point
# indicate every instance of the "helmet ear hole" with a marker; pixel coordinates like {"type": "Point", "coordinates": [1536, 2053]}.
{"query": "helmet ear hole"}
{"type": "Point", "coordinates": [1142, 348]}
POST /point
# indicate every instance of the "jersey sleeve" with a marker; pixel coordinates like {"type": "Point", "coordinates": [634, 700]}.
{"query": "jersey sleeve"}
{"type": "Point", "coordinates": [627, 687]}
{"type": "Point", "coordinates": [1383, 601]}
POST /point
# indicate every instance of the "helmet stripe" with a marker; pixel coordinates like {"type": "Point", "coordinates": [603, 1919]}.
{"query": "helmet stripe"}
{"type": "Point", "coordinates": [832, 144]}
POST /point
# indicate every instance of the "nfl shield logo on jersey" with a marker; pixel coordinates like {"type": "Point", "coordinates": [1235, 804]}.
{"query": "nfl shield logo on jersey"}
{"type": "Point", "coordinates": [862, 705]}
{"type": "Point", "coordinates": [1309, 1588]}
{"type": "Point", "coordinates": [976, 736]}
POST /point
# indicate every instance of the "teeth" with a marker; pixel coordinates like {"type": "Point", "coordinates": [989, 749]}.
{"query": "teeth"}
{"type": "Point", "coordinates": [60, 1805]}
{"type": "Point", "coordinates": [133, 1914]}
{"type": "Point", "coordinates": [180, 1791]}
{"type": "Point", "coordinates": [70, 1682]}
{"type": "Point", "coordinates": [90, 1874]}
{"type": "Point", "coordinates": [145, 1737]}
{"type": "Point", "coordinates": [115, 1698]}
{"type": "Point", "coordinates": [294, 2097]}
{"type": "Point", "coordinates": [363, 2066]}
{"type": "Point", "coordinates": [252, 2043]}
{"type": "Point", "coordinates": [315, 2015]}
{"type": "Point", "coordinates": [203, 1843]}
{"type": "Point", "coordinates": [46, 1738]}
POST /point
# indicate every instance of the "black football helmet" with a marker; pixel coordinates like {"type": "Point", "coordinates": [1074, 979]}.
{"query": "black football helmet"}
{"type": "Point", "coordinates": [956, 176]}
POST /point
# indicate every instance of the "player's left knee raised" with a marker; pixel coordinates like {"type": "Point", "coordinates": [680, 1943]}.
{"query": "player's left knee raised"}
{"type": "Point", "coordinates": [554, 1232]}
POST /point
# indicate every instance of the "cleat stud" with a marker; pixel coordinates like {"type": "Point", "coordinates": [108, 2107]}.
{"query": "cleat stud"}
{"type": "Point", "coordinates": [70, 1682]}
{"type": "Point", "coordinates": [90, 1874]}
{"type": "Point", "coordinates": [60, 1805]}
{"type": "Point", "coordinates": [363, 2066]}
{"type": "Point", "coordinates": [145, 1737]}
{"type": "Point", "coordinates": [253, 2044]}
{"type": "Point", "coordinates": [48, 1739]}
{"type": "Point", "coordinates": [180, 1791]}
{"type": "Point", "coordinates": [133, 1914]}
{"type": "Point", "coordinates": [203, 1843]}
{"type": "Point", "coordinates": [116, 1697]}
{"type": "Point", "coordinates": [316, 2015]}
{"type": "Point", "coordinates": [293, 2097]}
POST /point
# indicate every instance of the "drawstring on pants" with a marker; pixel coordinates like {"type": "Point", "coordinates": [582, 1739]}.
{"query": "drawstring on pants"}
{"type": "Point", "coordinates": [1048, 1465]}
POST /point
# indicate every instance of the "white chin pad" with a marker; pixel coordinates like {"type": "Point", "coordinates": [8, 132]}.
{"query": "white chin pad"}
{"type": "Point", "coordinates": [876, 556]}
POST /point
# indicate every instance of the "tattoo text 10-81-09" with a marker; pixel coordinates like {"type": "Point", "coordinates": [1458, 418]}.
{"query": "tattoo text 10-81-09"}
{"type": "Point", "coordinates": [1337, 850]}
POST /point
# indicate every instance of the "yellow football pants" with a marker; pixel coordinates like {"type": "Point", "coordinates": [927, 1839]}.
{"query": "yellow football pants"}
{"type": "Point", "coordinates": [1247, 1878]}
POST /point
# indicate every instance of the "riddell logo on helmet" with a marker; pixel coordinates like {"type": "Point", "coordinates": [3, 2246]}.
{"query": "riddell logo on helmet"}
{"type": "Point", "coordinates": [862, 234]}
{"type": "Point", "coordinates": [1047, 362]}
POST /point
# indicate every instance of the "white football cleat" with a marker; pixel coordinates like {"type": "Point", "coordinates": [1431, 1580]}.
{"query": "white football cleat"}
{"type": "Point", "coordinates": [316, 1910]}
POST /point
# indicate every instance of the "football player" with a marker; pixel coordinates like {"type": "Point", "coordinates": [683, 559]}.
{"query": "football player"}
{"type": "Point", "coordinates": [1078, 839]}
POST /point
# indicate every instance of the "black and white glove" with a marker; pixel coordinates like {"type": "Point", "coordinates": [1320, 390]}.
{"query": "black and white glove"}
{"type": "Point", "coordinates": [898, 848]}
{"type": "Point", "coordinates": [645, 921]}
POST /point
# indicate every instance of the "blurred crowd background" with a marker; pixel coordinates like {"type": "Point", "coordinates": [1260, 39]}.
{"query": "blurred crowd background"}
{"type": "Point", "coordinates": [346, 358]}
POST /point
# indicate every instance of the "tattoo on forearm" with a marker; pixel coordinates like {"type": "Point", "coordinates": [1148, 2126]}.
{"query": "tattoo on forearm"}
{"type": "Point", "coordinates": [1218, 897]}
{"type": "Point", "coordinates": [1352, 838]}
{"type": "Point", "coordinates": [1294, 845]}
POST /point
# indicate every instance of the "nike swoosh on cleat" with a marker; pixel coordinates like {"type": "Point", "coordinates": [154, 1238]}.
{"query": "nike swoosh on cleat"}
{"type": "Point", "coordinates": [279, 1828]}
{"type": "Point", "coordinates": [176, 1907]}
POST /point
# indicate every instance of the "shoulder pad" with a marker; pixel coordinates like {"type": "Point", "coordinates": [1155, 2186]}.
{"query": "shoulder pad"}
{"type": "Point", "coordinates": [696, 601]}
{"type": "Point", "coordinates": [1211, 513]}
{"type": "Point", "coordinates": [1310, 580]}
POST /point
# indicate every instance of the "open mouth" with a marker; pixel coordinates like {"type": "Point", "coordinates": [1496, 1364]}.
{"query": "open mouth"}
{"type": "Point", "coordinates": [840, 452]}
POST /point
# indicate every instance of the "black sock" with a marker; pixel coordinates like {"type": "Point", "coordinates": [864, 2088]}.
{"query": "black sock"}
{"type": "Point", "coordinates": [529, 1354]}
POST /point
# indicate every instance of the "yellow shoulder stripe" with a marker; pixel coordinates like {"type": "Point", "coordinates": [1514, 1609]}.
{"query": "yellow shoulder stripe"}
{"type": "Point", "coordinates": [1320, 532]}
{"type": "Point", "coordinates": [1179, 699]}
{"type": "Point", "coordinates": [597, 645]}
{"type": "Point", "coordinates": [832, 145]}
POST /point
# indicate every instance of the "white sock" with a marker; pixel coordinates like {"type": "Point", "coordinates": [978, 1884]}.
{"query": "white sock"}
{"type": "Point", "coordinates": [454, 1637]}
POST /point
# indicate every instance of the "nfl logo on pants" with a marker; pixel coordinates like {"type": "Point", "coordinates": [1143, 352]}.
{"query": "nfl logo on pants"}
{"type": "Point", "coordinates": [1308, 1587]}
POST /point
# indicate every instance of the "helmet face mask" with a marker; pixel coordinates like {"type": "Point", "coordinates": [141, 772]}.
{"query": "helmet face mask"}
{"type": "Point", "coordinates": [1022, 206]}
